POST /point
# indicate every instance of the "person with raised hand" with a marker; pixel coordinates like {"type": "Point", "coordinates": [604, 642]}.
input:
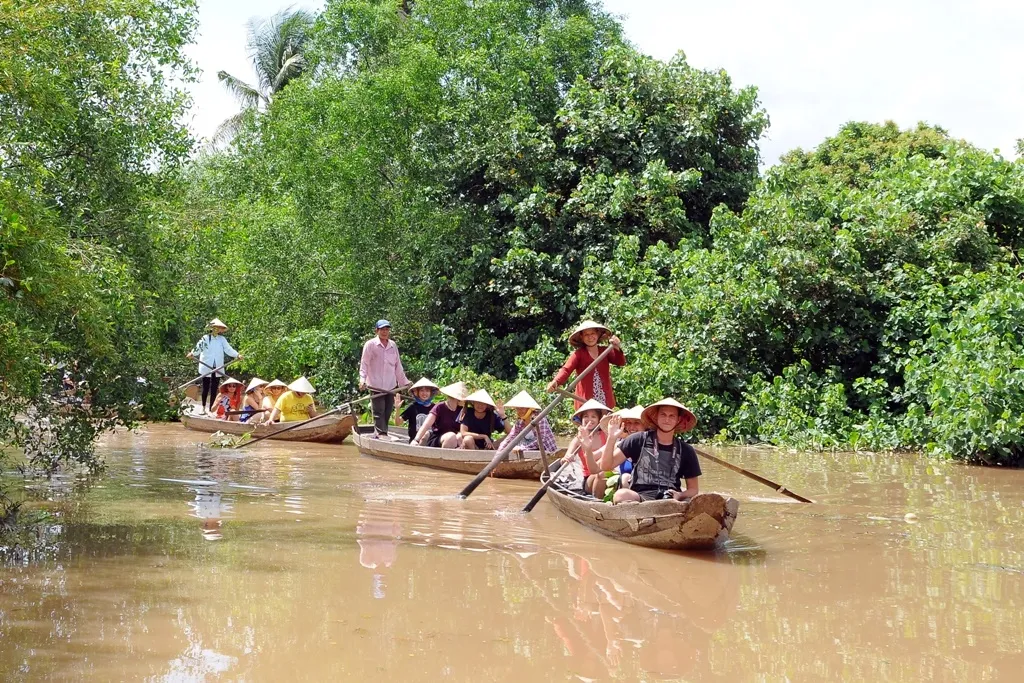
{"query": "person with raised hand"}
{"type": "Point", "coordinates": [441, 427]}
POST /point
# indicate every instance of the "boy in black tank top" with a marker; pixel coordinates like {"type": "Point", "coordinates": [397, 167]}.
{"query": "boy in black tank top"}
{"type": "Point", "coordinates": [660, 459]}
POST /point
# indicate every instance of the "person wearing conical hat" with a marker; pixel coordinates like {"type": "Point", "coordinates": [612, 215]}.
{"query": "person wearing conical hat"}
{"type": "Point", "coordinates": [252, 405]}
{"type": "Point", "coordinates": [296, 404]}
{"type": "Point", "coordinates": [271, 392]}
{"type": "Point", "coordinates": [480, 420]}
{"type": "Point", "coordinates": [660, 459]}
{"type": "Point", "coordinates": [416, 412]}
{"type": "Point", "coordinates": [586, 339]}
{"type": "Point", "coordinates": [587, 444]}
{"type": "Point", "coordinates": [210, 350]}
{"type": "Point", "coordinates": [380, 370]}
{"type": "Point", "coordinates": [230, 399]}
{"type": "Point", "coordinates": [525, 407]}
{"type": "Point", "coordinates": [441, 427]}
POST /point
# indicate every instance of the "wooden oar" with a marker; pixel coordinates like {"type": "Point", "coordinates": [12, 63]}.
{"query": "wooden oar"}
{"type": "Point", "coordinates": [343, 406]}
{"type": "Point", "coordinates": [503, 452]}
{"type": "Point", "coordinates": [212, 370]}
{"type": "Point", "coordinates": [301, 423]}
{"type": "Point", "coordinates": [565, 463]}
{"type": "Point", "coordinates": [756, 477]}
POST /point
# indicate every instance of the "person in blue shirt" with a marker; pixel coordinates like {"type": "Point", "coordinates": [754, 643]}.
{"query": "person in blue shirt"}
{"type": "Point", "coordinates": [211, 350]}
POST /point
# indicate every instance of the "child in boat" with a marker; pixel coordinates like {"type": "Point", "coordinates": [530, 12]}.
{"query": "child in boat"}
{"type": "Point", "coordinates": [252, 406]}
{"type": "Point", "coordinates": [525, 406]}
{"type": "Point", "coordinates": [588, 443]}
{"type": "Point", "coordinates": [597, 384]}
{"type": "Point", "coordinates": [229, 400]}
{"type": "Point", "coordinates": [441, 427]}
{"type": "Point", "coordinates": [416, 412]}
{"type": "Point", "coordinates": [660, 459]}
{"type": "Point", "coordinates": [296, 404]}
{"type": "Point", "coordinates": [480, 420]}
{"type": "Point", "coordinates": [271, 392]}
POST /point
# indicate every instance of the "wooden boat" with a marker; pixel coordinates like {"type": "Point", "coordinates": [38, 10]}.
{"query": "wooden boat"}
{"type": "Point", "coordinates": [452, 459]}
{"type": "Point", "coordinates": [700, 524]}
{"type": "Point", "coordinates": [330, 429]}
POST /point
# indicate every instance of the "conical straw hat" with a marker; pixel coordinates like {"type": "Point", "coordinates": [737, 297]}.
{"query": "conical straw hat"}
{"type": "Point", "coordinates": [522, 400]}
{"type": "Point", "coordinates": [217, 322]}
{"type": "Point", "coordinates": [276, 384]}
{"type": "Point", "coordinates": [424, 382]}
{"type": "Point", "coordinates": [634, 413]}
{"type": "Point", "coordinates": [302, 386]}
{"type": "Point", "coordinates": [229, 381]}
{"type": "Point", "coordinates": [687, 420]}
{"type": "Point", "coordinates": [481, 396]}
{"type": "Point", "coordinates": [458, 391]}
{"type": "Point", "coordinates": [255, 383]}
{"type": "Point", "coordinates": [575, 340]}
{"type": "Point", "coordinates": [592, 404]}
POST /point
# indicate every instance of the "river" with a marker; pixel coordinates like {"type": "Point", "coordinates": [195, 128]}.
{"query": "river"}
{"type": "Point", "coordinates": [304, 562]}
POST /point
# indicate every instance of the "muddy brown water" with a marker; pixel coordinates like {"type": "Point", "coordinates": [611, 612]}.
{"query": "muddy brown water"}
{"type": "Point", "coordinates": [315, 563]}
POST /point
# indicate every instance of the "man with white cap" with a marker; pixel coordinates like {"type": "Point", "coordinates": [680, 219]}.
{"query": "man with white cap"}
{"type": "Point", "coordinates": [211, 349]}
{"type": "Point", "coordinates": [660, 459]}
{"type": "Point", "coordinates": [296, 404]}
{"type": "Point", "coordinates": [380, 369]}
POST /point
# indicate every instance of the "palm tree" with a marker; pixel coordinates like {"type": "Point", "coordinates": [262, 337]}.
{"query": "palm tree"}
{"type": "Point", "coordinates": [276, 48]}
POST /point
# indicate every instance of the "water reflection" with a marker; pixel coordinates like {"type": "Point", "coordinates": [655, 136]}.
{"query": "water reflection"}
{"type": "Point", "coordinates": [389, 576]}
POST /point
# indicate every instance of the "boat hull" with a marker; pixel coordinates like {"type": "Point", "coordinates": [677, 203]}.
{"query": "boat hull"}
{"type": "Point", "coordinates": [331, 429]}
{"type": "Point", "coordinates": [699, 524]}
{"type": "Point", "coordinates": [450, 459]}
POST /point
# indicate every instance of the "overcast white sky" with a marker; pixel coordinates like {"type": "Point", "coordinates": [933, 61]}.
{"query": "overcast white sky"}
{"type": "Point", "coordinates": [817, 64]}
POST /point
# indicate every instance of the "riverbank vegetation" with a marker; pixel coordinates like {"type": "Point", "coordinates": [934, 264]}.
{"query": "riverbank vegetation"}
{"type": "Point", "coordinates": [484, 176]}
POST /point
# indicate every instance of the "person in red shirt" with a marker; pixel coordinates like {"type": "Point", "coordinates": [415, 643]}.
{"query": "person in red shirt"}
{"type": "Point", "coordinates": [597, 384]}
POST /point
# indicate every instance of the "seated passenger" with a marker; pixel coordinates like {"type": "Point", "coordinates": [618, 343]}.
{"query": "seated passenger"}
{"type": "Point", "coordinates": [525, 406]}
{"type": "Point", "coordinates": [631, 424]}
{"type": "Point", "coordinates": [441, 427]}
{"type": "Point", "coordinates": [416, 412]}
{"type": "Point", "coordinates": [296, 404]}
{"type": "Point", "coordinates": [229, 400]}
{"type": "Point", "coordinates": [659, 458]}
{"type": "Point", "coordinates": [271, 393]}
{"type": "Point", "coordinates": [588, 442]}
{"type": "Point", "coordinates": [253, 405]}
{"type": "Point", "coordinates": [480, 420]}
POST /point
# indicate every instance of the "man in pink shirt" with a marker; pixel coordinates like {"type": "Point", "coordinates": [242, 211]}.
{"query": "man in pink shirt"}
{"type": "Point", "coordinates": [381, 368]}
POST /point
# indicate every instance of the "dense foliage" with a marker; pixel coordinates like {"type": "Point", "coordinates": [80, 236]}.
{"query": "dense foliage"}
{"type": "Point", "coordinates": [89, 125]}
{"type": "Point", "coordinates": [485, 174]}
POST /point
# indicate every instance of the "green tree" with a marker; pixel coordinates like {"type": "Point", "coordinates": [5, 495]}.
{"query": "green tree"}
{"type": "Point", "coordinates": [277, 49]}
{"type": "Point", "coordinates": [91, 131]}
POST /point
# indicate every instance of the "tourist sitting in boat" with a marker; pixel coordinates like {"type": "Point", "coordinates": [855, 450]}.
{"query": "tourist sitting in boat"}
{"type": "Point", "coordinates": [416, 412]}
{"type": "Point", "coordinates": [229, 400]}
{"type": "Point", "coordinates": [440, 429]}
{"type": "Point", "coordinates": [660, 459]}
{"type": "Point", "coordinates": [271, 392]}
{"type": "Point", "coordinates": [296, 404]}
{"type": "Point", "coordinates": [480, 420]}
{"type": "Point", "coordinates": [598, 383]}
{"type": "Point", "coordinates": [525, 406]}
{"type": "Point", "coordinates": [252, 406]}
{"type": "Point", "coordinates": [631, 424]}
{"type": "Point", "coordinates": [586, 446]}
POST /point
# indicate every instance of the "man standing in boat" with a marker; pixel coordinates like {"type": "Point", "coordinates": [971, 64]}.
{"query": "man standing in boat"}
{"type": "Point", "coordinates": [660, 459]}
{"type": "Point", "coordinates": [380, 369]}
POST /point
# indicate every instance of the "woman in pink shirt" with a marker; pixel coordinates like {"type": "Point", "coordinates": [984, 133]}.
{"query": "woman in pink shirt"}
{"type": "Point", "coordinates": [381, 369]}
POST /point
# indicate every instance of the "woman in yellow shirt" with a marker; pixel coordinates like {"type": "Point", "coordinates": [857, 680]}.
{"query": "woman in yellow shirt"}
{"type": "Point", "coordinates": [295, 404]}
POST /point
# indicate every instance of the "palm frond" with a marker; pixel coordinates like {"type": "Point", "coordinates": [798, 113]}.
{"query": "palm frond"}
{"type": "Point", "coordinates": [228, 130]}
{"type": "Point", "coordinates": [274, 42]}
{"type": "Point", "coordinates": [292, 68]}
{"type": "Point", "coordinates": [249, 96]}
